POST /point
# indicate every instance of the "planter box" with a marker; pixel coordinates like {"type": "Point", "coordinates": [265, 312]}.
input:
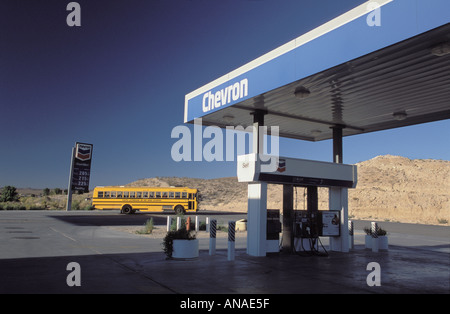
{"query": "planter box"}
{"type": "Point", "coordinates": [185, 249]}
{"type": "Point", "coordinates": [382, 243]}
{"type": "Point", "coordinates": [368, 241]}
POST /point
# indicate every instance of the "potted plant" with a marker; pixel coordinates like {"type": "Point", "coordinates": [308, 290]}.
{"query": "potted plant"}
{"type": "Point", "coordinates": [382, 236]}
{"type": "Point", "coordinates": [180, 244]}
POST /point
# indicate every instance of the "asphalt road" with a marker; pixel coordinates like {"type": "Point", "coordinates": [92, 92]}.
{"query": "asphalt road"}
{"type": "Point", "coordinates": [37, 246]}
{"type": "Point", "coordinates": [53, 233]}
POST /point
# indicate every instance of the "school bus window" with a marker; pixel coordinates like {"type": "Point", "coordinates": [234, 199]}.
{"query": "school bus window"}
{"type": "Point", "coordinates": [171, 194]}
{"type": "Point", "coordinates": [190, 196]}
{"type": "Point", "coordinates": [158, 194]}
{"type": "Point", "coordinates": [177, 194]}
{"type": "Point", "coordinates": [132, 194]}
{"type": "Point", "coordinates": [184, 195]}
{"type": "Point", "coordinates": [164, 194]}
{"type": "Point", "coordinates": [113, 194]}
{"type": "Point", "coordinates": [107, 194]}
{"type": "Point", "coordinates": [145, 195]}
{"type": "Point", "coordinates": [119, 194]}
{"type": "Point", "coordinates": [152, 194]}
{"type": "Point", "coordinates": [100, 193]}
{"type": "Point", "coordinates": [138, 194]}
{"type": "Point", "coordinates": [126, 194]}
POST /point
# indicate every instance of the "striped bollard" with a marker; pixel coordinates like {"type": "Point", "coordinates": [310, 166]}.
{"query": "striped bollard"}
{"type": "Point", "coordinates": [350, 234]}
{"type": "Point", "coordinates": [231, 240]}
{"type": "Point", "coordinates": [212, 237]}
{"type": "Point", "coordinates": [375, 240]}
{"type": "Point", "coordinates": [169, 223]}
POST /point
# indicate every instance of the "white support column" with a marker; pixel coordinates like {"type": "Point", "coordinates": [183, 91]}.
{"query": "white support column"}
{"type": "Point", "coordinates": [338, 197]}
{"type": "Point", "coordinates": [338, 200]}
{"type": "Point", "coordinates": [257, 219]}
{"type": "Point", "coordinates": [257, 197]}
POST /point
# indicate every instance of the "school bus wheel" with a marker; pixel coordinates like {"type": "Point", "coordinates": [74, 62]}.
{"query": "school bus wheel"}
{"type": "Point", "coordinates": [126, 209]}
{"type": "Point", "coordinates": [179, 210]}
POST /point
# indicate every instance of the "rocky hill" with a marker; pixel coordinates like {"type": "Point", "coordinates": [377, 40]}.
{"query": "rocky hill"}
{"type": "Point", "coordinates": [390, 188]}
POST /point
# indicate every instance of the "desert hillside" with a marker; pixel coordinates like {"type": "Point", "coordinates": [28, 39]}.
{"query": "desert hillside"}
{"type": "Point", "coordinates": [390, 188]}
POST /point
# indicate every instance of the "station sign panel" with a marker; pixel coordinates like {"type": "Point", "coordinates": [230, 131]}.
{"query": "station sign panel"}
{"type": "Point", "coordinates": [339, 41]}
{"type": "Point", "coordinates": [81, 169]}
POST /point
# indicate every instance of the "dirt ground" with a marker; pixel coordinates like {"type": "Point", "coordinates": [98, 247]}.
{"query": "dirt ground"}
{"type": "Point", "coordinates": [390, 188]}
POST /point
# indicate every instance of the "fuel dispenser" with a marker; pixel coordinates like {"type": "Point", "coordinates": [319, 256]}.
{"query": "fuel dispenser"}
{"type": "Point", "coordinates": [273, 231]}
{"type": "Point", "coordinates": [301, 229]}
{"type": "Point", "coordinates": [310, 225]}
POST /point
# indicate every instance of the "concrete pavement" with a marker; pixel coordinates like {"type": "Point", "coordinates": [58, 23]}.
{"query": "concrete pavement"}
{"type": "Point", "coordinates": [36, 247]}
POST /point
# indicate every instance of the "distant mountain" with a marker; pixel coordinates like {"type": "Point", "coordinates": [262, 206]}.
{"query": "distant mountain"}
{"type": "Point", "coordinates": [389, 187]}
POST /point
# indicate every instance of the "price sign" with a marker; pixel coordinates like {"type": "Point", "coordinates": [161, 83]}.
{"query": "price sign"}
{"type": "Point", "coordinates": [81, 167]}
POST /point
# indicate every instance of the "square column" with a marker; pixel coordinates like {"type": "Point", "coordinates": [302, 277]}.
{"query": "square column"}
{"type": "Point", "coordinates": [338, 200]}
{"type": "Point", "coordinates": [257, 219]}
{"type": "Point", "coordinates": [288, 218]}
{"type": "Point", "coordinates": [338, 197]}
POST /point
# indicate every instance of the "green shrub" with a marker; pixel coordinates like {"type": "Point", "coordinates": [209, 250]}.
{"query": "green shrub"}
{"type": "Point", "coordinates": [148, 227]}
{"type": "Point", "coordinates": [9, 194]}
{"type": "Point", "coordinates": [380, 231]}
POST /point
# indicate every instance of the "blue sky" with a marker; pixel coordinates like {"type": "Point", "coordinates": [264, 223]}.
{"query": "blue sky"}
{"type": "Point", "coordinates": [119, 82]}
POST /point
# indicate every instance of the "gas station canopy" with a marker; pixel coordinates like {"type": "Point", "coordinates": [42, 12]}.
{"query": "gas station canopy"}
{"type": "Point", "coordinates": [366, 70]}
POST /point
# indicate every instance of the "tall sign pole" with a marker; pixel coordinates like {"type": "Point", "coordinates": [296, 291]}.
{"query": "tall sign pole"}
{"type": "Point", "coordinates": [69, 188]}
{"type": "Point", "coordinates": [80, 170]}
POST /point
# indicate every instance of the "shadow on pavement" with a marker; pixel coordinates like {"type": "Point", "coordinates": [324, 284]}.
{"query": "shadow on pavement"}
{"type": "Point", "coordinates": [403, 270]}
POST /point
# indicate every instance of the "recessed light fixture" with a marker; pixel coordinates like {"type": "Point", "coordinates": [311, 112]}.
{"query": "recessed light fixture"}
{"type": "Point", "coordinates": [441, 49]}
{"type": "Point", "coordinates": [228, 117]}
{"type": "Point", "coordinates": [302, 92]}
{"type": "Point", "coordinates": [400, 115]}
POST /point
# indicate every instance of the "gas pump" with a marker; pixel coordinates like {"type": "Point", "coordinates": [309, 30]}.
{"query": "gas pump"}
{"type": "Point", "coordinates": [310, 225]}
{"type": "Point", "coordinates": [273, 231]}
{"type": "Point", "coordinates": [304, 227]}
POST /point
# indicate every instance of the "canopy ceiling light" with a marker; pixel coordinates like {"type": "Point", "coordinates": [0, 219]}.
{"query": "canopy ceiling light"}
{"type": "Point", "coordinates": [302, 92]}
{"type": "Point", "coordinates": [400, 115]}
{"type": "Point", "coordinates": [441, 49]}
{"type": "Point", "coordinates": [228, 118]}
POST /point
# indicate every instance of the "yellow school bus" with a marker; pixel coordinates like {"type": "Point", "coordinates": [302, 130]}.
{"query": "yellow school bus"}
{"type": "Point", "coordinates": [130, 199]}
